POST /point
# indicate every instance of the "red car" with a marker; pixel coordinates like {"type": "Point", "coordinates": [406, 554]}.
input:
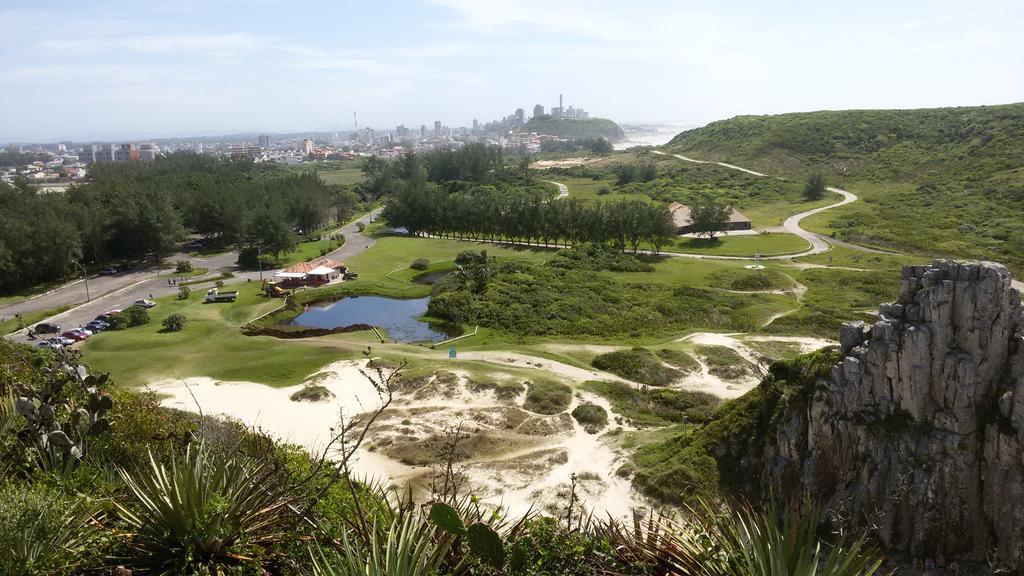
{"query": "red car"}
{"type": "Point", "coordinates": [75, 335]}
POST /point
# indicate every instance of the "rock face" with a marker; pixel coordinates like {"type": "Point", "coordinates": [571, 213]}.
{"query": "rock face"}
{"type": "Point", "coordinates": [918, 434]}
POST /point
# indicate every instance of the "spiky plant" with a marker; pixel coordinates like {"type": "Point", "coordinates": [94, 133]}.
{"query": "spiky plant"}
{"type": "Point", "coordinates": [744, 542]}
{"type": "Point", "coordinates": [42, 531]}
{"type": "Point", "coordinates": [411, 546]}
{"type": "Point", "coordinates": [202, 510]}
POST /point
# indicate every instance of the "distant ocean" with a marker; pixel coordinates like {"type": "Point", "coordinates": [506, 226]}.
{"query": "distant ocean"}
{"type": "Point", "coordinates": [653, 134]}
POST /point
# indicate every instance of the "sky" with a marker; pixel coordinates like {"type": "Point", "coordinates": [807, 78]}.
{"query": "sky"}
{"type": "Point", "coordinates": [84, 69]}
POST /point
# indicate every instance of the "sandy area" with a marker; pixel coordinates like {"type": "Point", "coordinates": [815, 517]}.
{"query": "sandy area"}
{"type": "Point", "coordinates": [512, 457]}
{"type": "Point", "coordinates": [524, 361]}
{"type": "Point", "coordinates": [563, 163]}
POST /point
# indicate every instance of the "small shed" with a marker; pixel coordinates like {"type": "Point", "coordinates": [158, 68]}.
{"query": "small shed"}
{"type": "Point", "coordinates": [315, 272]}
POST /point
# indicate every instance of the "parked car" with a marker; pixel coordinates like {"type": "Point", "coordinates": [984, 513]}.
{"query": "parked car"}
{"type": "Point", "coordinates": [47, 328]}
{"type": "Point", "coordinates": [144, 303]}
{"type": "Point", "coordinates": [108, 271]}
{"type": "Point", "coordinates": [194, 245]}
{"type": "Point", "coordinates": [96, 326]}
{"type": "Point", "coordinates": [75, 335]}
{"type": "Point", "coordinates": [113, 312]}
{"type": "Point", "coordinates": [85, 330]}
{"type": "Point", "coordinates": [102, 323]}
{"type": "Point", "coordinates": [103, 318]}
{"type": "Point", "coordinates": [48, 344]}
{"type": "Point", "coordinates": [62, 340]}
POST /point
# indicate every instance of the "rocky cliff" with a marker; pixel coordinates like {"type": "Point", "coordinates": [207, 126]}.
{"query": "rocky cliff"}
{"type": "Point", "coordinates": [918, 433]}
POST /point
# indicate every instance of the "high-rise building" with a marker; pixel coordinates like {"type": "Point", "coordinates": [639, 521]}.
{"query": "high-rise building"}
{"type": "Point", "coordinates": [264, 140]}
{"type": "Point", "coordinates": [538, 110]}
{"type": "Point", "coordinates": [126, 152]}
{"type": "Point", "coordinates": [307, 146]}
{"type": "Point", "coordinates": [476, 125]}
{"type": "Point", "coordinates": [423, 131]}
{"type": "Point", "coordinates": [197, 147]}
{"type": "Point", "coordinates": [520, 118]}
{"type": "Point", "coordinates": [147, 152]}
{"type": "Point", "coordinates": [437, 128]}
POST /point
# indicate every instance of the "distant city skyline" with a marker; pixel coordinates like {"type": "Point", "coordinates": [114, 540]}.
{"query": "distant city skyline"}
{"type": "Point", "coordinates": [114, 70]}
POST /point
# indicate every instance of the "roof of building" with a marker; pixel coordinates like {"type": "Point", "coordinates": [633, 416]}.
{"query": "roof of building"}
{"type": "Point", "coordinates": [307, 267]}
{"type": "Point", "coordinates": [681, 215]}
{"type": "Point", "coordinates": [322, 270]}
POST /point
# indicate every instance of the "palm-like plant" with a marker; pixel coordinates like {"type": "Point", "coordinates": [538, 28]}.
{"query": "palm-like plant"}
{"type": "Point", "coordinates": [202, 510]}
{"type": "Point", "coordinates": [411, 546]}
{"type": "Point", "coordinates": [745, 543]}
{"type": "Point", "coordinates": [43, 532]}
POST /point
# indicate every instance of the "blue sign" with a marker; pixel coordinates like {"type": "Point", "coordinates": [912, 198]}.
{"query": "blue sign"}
{"type": "Point", "coordinates": [451, 352]}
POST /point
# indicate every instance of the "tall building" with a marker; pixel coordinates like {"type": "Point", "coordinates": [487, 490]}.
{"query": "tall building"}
{"type": "Point", "coordinates": [126, 152]}
{"type": "Point", "coordinates": [147, 152]}
{"type": "Point", "coordinates": [520, 118]}
{"type": "Point", "coordinates": [423, 131]}
{"type": "Point", "coordinates": [437, 128]}
{"type": "Point", "coordinates": [197, 147]}
{"type": "Point", "coordinates": [476, 125]}
{"type": "Point", "coordinates": [264, 140]}
{"type": "Point", "coordinates": [307, 146]}
{"type": "Point", "coordinates": [538, 110]}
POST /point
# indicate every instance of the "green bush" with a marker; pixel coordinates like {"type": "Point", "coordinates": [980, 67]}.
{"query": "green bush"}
{"type": "Point", "coordinates": [639, 365]}
{"type": "Point", "coordinates": [591, 416]}
{"type": "Point", "coordinates": [135, 316]}
{"type": "Point", "coordinates": [174, 322]}
{"type": "Point", "coordinates": [547, 397]}
{"type": "Point", "coordinates": [117, 322]}
{"type": "Point", "coordinates": [656, 406]}
{"type": "Point", "coordinates": [182, 266]}
{"type": "Point", "coordinates": [45, 531]}
{"type": "Point", "coordinates": [420, 264]}
{"type": "Point", "coordinates": [184, 292]}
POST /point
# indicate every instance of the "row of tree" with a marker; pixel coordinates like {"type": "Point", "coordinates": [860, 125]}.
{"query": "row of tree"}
{"type": "Point", "coordinates": [528, 216]}
{"type": "Point", "coordinates": [133, 210]}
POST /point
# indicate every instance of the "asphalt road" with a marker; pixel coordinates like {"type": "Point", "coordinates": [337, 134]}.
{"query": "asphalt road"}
{"type": "Point", "coordinates": [122, 289]}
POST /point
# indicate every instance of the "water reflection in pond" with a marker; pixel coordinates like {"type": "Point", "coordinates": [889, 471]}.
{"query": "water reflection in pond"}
{"type": "Point", "coordinates": [430, 277]}
{"type": "Point", "coordinates": [399, 318]}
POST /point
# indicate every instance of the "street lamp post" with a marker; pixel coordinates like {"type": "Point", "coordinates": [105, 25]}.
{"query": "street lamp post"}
{"type": "Point", "coordinates": [259, 261]}
{"type": "Point", "coordinates": [85, 274]}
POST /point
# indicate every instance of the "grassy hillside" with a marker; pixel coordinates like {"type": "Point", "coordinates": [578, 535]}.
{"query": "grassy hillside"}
{"type": "Point", "coordinates": [944, 181]}
{"type": "Point", "coordinates": [574, 129]}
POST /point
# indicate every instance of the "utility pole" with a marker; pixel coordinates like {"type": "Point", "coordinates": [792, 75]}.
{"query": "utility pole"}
{"type": "Point", "coordinates": [85, 274]}
{"type": "Point", "coordinates": [259, 261]}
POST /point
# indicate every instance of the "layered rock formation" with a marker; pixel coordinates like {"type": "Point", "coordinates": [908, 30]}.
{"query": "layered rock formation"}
{"type": "Point", "coordinates": [918, 434]}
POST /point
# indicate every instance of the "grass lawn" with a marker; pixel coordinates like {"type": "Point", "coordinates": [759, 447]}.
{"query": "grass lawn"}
{"type": "Point", "coordinates": [209, 345]}
{"type": "Point", "coordinates": [768, 244]}
{"type": "Point", "coordinates": [195, 272]}
{"type": "Point", "coordinates": [587, 189]}
{"type": "Point", "coordinates": [11, 324]}
{"type": "Point", "coordinates": [26, 293]}
{"type": "Point", "coordinates": [850, 258]}
{"type": "Point", "coordinates": [774, 214]}
{"type": "Point", "coordinates": [306, 251]}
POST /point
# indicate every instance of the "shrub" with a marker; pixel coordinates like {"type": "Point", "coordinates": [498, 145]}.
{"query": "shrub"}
{"type": "Point", "coordinates": [184, 292]}
{"type": "Point", "coordinates": [174, 322]}
{"type": "Point", "coordinates": [360, 226]}
{"type": "Point", "coordinates": [201, 511]}
{"type": "Point", "coordinates": [655, 407]}
{"type": "Point", "coordinates": [135, 315]}
{"type": "Point", "coordinates": [547, 397]}
{"type": "Point", "coordinates": [44, 531]}
{"type": "Point", "coordinates": [311, 393]}
{"type": "Point", "coordinates": [420, 264]}
{"type": "Point", "coordinates": [182, 266]}
{"type": "Point", "coordinates": [117, 322]}
{"type": "Point", "coordinates": [591, 416]}
{"type": "Point", "coordinates": [639, 365]}
{"type": "Point", "coordinates": [219, 283]}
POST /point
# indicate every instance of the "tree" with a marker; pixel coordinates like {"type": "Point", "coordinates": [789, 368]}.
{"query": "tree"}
{"type": "Point", "coordinates": [174, 322]}
{"type": "Point", "coordinates": [708, 216]}
{"type": "Point", "coordinates": [815, 187]}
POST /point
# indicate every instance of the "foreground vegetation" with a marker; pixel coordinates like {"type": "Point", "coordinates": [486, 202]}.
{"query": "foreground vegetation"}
{"type": "Point", "coordinates": [101, 480]}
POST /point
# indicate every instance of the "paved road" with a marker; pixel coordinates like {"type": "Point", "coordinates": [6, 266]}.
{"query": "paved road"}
{"type": "Point", "coordinates": [123, 289]}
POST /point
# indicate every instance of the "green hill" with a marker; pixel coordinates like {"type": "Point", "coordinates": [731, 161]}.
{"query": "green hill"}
{"type": "Point", "coordinates": [942, 181]}
{"type": "Point", "coordinates": [575, 129]}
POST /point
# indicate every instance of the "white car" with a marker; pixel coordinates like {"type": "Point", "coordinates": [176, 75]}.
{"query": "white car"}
{"type": "Point", "coordinates": [144, 303]}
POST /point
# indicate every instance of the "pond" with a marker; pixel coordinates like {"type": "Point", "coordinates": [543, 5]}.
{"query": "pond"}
{"type": "Point", "coordinates": [399, 318]}
{"type": "Point", "coordinates": [430, 277]}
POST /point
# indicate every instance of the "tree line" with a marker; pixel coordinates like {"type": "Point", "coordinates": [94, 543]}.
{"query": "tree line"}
{"type": "Point", "coordinates": [131, 210]}
{"type": "Point", "coordinates": [486, 213]}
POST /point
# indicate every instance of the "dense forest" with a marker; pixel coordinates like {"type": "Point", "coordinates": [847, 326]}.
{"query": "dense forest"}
{"type": "Point", "coordinates": [130, 211]}
{"type": "Point", "coordinates": [943, 181]}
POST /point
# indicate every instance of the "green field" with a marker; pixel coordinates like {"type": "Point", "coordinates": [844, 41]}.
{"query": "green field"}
{"type": "Point", "coordinates": [209, 345]}
{"type": "Point", "coordinates": [768, 244]}
{"type": "Point", "coordinates": [11, 324]}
